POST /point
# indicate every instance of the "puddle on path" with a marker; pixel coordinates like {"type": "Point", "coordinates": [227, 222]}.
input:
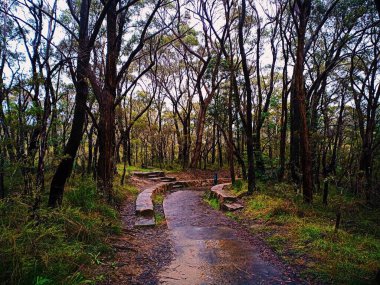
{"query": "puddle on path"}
{"type": "Point", "coordinates": [207, 250]}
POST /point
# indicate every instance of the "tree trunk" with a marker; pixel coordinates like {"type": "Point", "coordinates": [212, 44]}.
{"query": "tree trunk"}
{"type": "Point", "coordinates": [247, 80]}
{"type": "Point", "coordinates": [125, 158]}
{"type": "Point", "coordinates": [2, 186]}
{"type": "Point", "coordinates": [213, 152]}
{"type": "Point", "coordinates": [260, 166]}
{"type": "Point", "coordinates": [199, 136]}
{"type": "Point", "coordinates": [230, 150]}
{"type": "Point", "coordinates": [284, 117]}
{"type": "Point", "coordinates": [300, 99]}
{"type": "Point", "coordinates": [220, 150]}
{"type": "Point", "coordinates": [365, 169]}
{"type": "Point", "coordinates": [284, 122]}
{"type": "Point", "coordinates": [66, 165]}
{"type": "Point", "coordinates": [128, 146]}
{"type": "Point", "coordinates": [106, 143]}
{"type": "Point", "coordinates": [90, 149]}
{"type": "Point", "coordinates": [294, 139]}
{"type": "Point", "coordinates": [106, 108]}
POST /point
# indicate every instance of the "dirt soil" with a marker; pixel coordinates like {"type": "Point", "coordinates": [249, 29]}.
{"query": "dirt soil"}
{"type": "Point", "coordinates": [140, 253]}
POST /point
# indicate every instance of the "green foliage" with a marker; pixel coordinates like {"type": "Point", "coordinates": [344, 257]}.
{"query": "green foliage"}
{"type": "Point", "coordinates": [158, 199]}
{"type": "Point", "coordinates": [238, 185]}
{"type": "Point", "coordinates": [305, 235]}
{"type": "Point", "coordinates": [213, 202]}
{"type": "Point", "coordinates": [56, 245]}
{"type": "Point", "coordinates": [231, 215]}
{"type": "Point", "coordinates": [160, 219]}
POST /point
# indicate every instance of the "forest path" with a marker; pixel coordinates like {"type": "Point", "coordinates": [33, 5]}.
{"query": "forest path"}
{"type": "Point", "coordinates": [210, 248]}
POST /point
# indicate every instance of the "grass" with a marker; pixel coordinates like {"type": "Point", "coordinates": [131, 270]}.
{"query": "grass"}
{"type": "Point", "coordinates": [59, 245]}
{"type": "Point", "coordinates": [305, 235]}
{"type": "Point", "coordinates": [131, 168]}
{"type": "Point", "coordinates": [158, 200]}
{"type": "Point", "coordinates": [213, 202]}
{"type": "Point", "coordinates": [239, 188]}
{"type": "Point", "coordinates": [160, 219]}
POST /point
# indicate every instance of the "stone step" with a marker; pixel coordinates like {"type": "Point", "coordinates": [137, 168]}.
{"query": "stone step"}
{"type": "Point", "coordinates": [144, 204]}
{"type": "Point", "coordinates": [145, 222]}
{"type": "Point", "coordinates": [222, 194]}
{"type": "Point", "coordinates": [232, 206]}
{"type": "Point", "coordinates": [177, 186]}
{"type": "Point", "coordinates": [156, 179]}
{"type": "Point", "coordinates": [168, 179]}
{"type": "Point", "coordinates": [149, 174]}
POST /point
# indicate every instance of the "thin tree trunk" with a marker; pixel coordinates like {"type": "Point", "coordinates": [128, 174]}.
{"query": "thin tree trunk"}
{"type": "Point", "coordinates": [199, 136]}
{"type": "Point", "coordinates": [230, 137]}
{"type": "Point", "coordinates": [66, 165]}
{"type": "Point", "coordinates": [294, 138]}
{"type": "Point", "coordinates": [284, 119]}
{"type": "Point", "coordinates": [249, 130]}
{"type": "Point", "coordinates": [90, 149]}
{"type": "Point", "coordinates": [300, 99]}
{"type": "Point", "coordinates": [2, 186]}
{"type": "Point", "coordinates": [213, 152]}
{"type": "Point", "coordinates": [220, 150]}
{"type": "Point", "coordinates": [106, 143]}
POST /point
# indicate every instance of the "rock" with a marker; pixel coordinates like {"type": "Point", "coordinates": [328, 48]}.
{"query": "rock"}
{"type": "Point", "coordinates": [167, 179]}
{"type": "Point", "coordinates": [156, 179]}
{"type": "Point", "coordinates": [144, 204]}
{"type": "Point", "coordinates": [232, 206]}
{"type": "Point", "coordinates": [145, 222]}
{"type": "Point", "coordinates": [222, 194]}
{"type": "Point", "coordinates": [150, 174]}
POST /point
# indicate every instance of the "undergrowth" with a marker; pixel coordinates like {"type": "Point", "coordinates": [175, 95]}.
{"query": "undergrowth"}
{"type": "Point", "coordinates": [56, 246]}
{"type": "Point", "coordinates": [159, 215]}
{"type": "Point", "coordinates": [212, 201]}
{"type": "Point", "coordinates": [305, 235]}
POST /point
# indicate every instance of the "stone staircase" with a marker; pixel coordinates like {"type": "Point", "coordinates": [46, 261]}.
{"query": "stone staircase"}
{"type": "Point", "coordinates": [227, 200]}
{"type": "Point", "coordinates": [144, 202]}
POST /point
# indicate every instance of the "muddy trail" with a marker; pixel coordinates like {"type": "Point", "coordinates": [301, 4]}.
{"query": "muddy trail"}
{"type": "Point", "coordinates": [196, 245]}
{"type": "Point", "coordinates": [209, 248]}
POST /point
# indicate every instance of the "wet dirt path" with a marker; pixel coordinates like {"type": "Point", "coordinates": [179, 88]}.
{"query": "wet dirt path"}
{"type": "Point", "coordinates": [210, 248]}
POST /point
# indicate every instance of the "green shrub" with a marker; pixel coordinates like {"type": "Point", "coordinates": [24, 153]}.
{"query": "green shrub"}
{"type": "Point", "coordinates": [213, 202]}
{"type": "Point", "coordinates": [53, 247]}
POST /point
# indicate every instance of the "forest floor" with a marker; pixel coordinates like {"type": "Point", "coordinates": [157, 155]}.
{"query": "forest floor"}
{"type": "Point", "coordinates": [139, 252]}
{"type": "Point", "coordinates": [166, 255]}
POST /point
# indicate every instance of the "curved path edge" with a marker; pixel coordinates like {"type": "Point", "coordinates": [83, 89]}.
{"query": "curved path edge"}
{"type": "Point", "coordinates": [144, 202]}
